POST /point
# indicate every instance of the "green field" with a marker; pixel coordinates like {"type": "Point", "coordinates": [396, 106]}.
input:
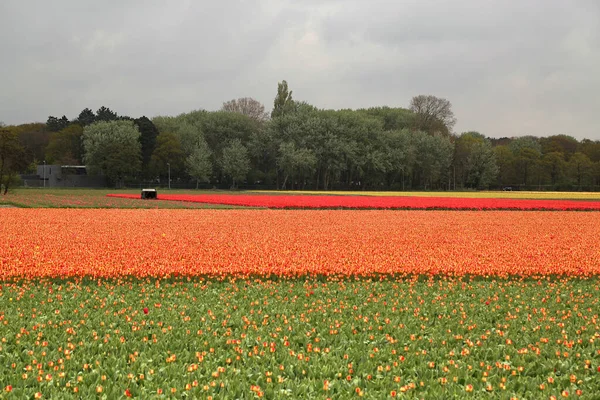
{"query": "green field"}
{"type": "Point", "coordinates": [95, 198]}
{"type": "Point", "coordinates": [312, 338]}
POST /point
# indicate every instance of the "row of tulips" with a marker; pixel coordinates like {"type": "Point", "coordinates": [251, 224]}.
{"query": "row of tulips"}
{"type": "Point", "coordinates": [111, 243]}
{"type": "Point", "coordinates": [376, 202]}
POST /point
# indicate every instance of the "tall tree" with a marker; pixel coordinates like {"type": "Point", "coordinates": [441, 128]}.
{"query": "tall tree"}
{"type": "Point", "coordinates": [168, 153]}
{"type": "Point", "coordinates": [12, 159]}
{"type": "Point", "coordinates": [283, 104]}
{"type": "Point", "coordinates": [106, 114]}
{"type": "Point", "coordinates": [591, 149]}
{"type": "Point", "coordinates": [482, 167]}
{"type": "Point", "coordinates": [148, 134]}
{"type": "Point", "coordinates": [54, 124]}
{"type": "Point", "coordinates": [527, 151]}
{"type": "Point", "coordinates": [525, 161]}
{"type": "Point", "coordinates": [580, 169]}
{"type": "Point", "coordinates": [295, 163]}
{"type": "Point", "coordinates": [474, 160]}
{"type": "Point", "coordinates": [235, 162]}
{"type": "Point", "coordinates": [565, 144]}
{"type": "Point", "coordinates": [34, 138]}
{"type": "Point", "coordinates": [432, 161]}
{"type": "Point", "coordinates": [554, 165]}
{"type": "Point", "coordinates": [198, 164]}
{"type": "Point", "coordinates": [113, 149]}
{"type": "Point", "coordinates": [65, 147]}
{"type": "Point", "coordinates": [432, 114]}
{"type": "Point", "coordinates": [86, 117]}
{"type": "Point", "coordinates": [247, 106]}
{"type": "Point", "coordinates": [505, 159]}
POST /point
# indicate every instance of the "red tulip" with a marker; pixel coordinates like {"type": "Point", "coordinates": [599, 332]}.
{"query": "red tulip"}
{"type": "Point", "coordinates": [145, 310]}
{"type": "Point", "coordinates": [379, 202]}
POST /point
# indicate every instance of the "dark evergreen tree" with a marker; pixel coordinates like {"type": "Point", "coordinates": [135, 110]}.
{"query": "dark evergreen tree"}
{"type": "Point", "coordinates": [86, 117]}
{"type": "Point", "coordinates": [54, 124]}
{"type": "Point", "coordinates": [106, 114]}
{"type": "Point", "coordinates": [148, 134]}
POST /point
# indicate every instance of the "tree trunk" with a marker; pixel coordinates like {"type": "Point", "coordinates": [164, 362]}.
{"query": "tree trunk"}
{"type": "Point", "coordinates": [284, 182]}
{"type": "Point", "coordinates": [1, 172]}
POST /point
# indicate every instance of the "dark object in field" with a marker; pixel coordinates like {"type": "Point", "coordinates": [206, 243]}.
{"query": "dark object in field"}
{"type": "Point", "coordinates": [149, 194]}
{"type": "Point", "coordinates": [507, 189]}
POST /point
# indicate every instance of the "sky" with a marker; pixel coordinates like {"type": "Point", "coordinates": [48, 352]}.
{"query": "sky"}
{"type": "Point", "coordinates": [509, 67]}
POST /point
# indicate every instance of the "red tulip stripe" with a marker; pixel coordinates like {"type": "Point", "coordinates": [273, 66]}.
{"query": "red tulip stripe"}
{"type": "Point", "coordinates": [376, 202]}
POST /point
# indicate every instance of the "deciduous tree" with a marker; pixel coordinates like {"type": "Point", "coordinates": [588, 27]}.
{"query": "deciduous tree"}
{"type": "Point", "coordinates": [65, 146]}
{"type": "Point", "coordinates": [283, 104]}
{"type": "Point", "coordinates": [580, 168]}
{"type": "Point", "coordinates": [167, 152]}
{"type": "Point", "coordinates": [235, 161]}
{"type": "Point", "coordinates": [247, 106]}
{"type": "Point", "coordinates": [198, 164]}
{"type": "Point", "coordinates": [12, 159]}
{"type": "Point", "coordinates": [432, 114]}
{"type": "Point", "coordinates": [113, 149]}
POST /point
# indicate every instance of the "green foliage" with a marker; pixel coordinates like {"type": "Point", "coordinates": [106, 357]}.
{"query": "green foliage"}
{"type": "Point", "coordinates": [580, 169]}
{"type": "Point", "coordinates": [198, 164]}
{"type": "Point", "coordinates": [283, 103]}
{"type": "Point", "coordinates": [235, 162]}
{"type": "Point", "coordinates": [54, 124]}
{"type": "Point", "coordinates": [113, 149]}
{"type": "Point", "coordinates": [379, 148]}
{"type": "Point", "coordinates": [221, 128]}
{"type": "Point", "coordinates": [168, 151]}
{"type": "Point", "coordinates": [393, 119]}
{"type": "Point", "coordinates": [86, 117]}
{"type": "Point", "coordinates": [248, 107]}
{"type": "Point", "coordinates": [12, 159]}
{"type": "Point", "coordinates": [517, 145]}
{"type": "Point", "coordinates": [106, 114]}
{"type": "Point", "coordinates": [433, 155]}
{"type": "Point", "coordinates": [554, 165]}
{"type": "Point", "coordinates": [148, 134]}
{"type": "Point", "coordinates": [432, 114]}
{"type": "Point", "coordinates": [505, 162]}
{"type": "Point", "coordinates": [34, 138]}
{"type": "Point", "coordinates": [65, 146]}
{"type": "Point", "coordinates": [295, 163]}
{"type": "Point", "coordinates": [475, 161]}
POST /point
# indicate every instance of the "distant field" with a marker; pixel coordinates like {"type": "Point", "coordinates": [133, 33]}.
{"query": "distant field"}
{"type": "Point", "coordinates": [479, 195]}
{"type": "Point", "coordinates": [94, 198]}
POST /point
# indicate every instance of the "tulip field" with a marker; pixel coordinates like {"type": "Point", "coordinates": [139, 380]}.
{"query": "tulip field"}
{"type": "Point", "coordinates": [374, 202]}
{"type": "Point", "coordinates": [173, 299]}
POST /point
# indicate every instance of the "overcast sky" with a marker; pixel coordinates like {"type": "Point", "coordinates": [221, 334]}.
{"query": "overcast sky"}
{"type": "Point", "coordinates": [509, 67]}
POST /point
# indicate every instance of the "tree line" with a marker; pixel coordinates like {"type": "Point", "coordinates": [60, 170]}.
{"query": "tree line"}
{"type": "Point", "coordinates": [298, 146]}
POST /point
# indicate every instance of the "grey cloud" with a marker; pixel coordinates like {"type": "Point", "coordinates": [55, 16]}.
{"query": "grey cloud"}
{"type": "Point", "coordinates": [510, 67]}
